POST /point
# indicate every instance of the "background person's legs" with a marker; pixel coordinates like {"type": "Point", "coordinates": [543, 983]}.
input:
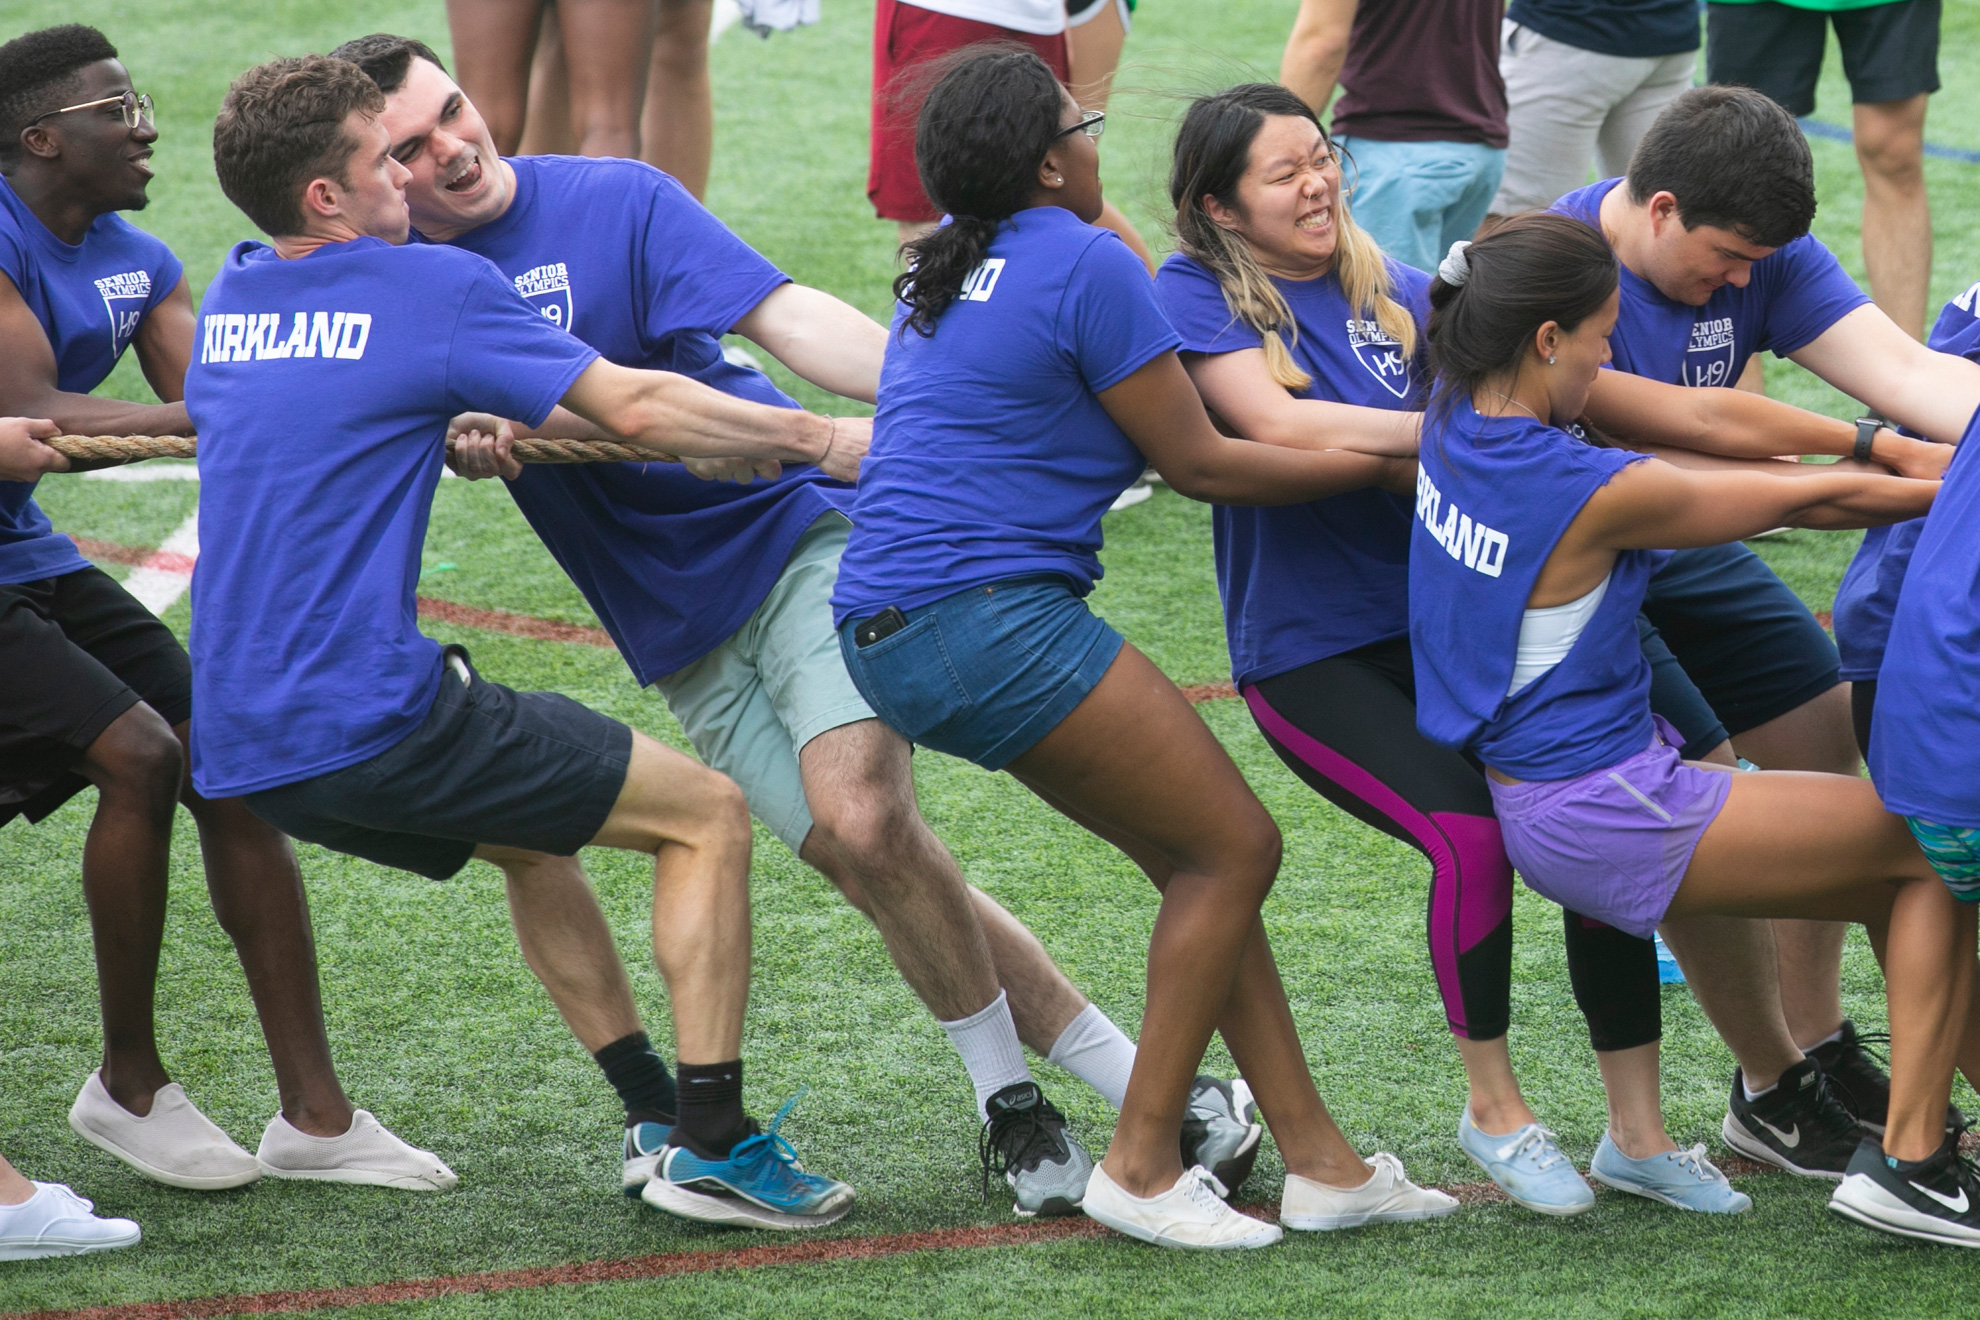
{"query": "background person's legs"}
{"type": "Point", "coordinates": [1631, 117]}
{"type": "Point", "coordinates": [608, 48]}
{"type": "Point", "coordinates": [547, 130]}
{"type": "Point", "coordinates": [677, 125]}
{"type": "Point", "coordinates": [568, 945]}
{"type": "Point", "coordinates": [1093, 53]}
{"type": "Point", "coordinates": [1897, 214]}
{"type": "Point", "coordinates": [493, 42]}
{"type": "Point", "coordinates": [1558, 98]}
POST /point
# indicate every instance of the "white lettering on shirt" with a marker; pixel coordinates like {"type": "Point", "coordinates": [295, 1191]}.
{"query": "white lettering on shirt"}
{"type": "Point", "coordinates": [132, 286]}
{"type": "Point", "coordinates": [257, 336]}
{"type": "Point", "coordinates": [982, 282]}
{"type": "Point", "coordinates": [547, 288]}
{"type": "Point", "coordinates": [1480, 547]}
{"type": "Point", "coordinates": [1965, 301]}
{"type": "Point", "coordinates": [1380, 353]}
{"type": "Point", "coordinates": [1708, 359]}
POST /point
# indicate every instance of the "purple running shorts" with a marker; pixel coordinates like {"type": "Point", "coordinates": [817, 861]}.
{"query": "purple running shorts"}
{"type": "Point", "coordinates": [1613, 844]}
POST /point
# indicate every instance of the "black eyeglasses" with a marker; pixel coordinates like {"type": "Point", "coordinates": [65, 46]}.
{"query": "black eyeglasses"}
{"type": "Point", "coordinates": [1091, 123]}
{"type": "Point", "coordinates": [136, 109]}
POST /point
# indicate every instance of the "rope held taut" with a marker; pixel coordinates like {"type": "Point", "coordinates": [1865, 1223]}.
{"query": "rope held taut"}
{"type": "Point", "coordinates": [90, 452]}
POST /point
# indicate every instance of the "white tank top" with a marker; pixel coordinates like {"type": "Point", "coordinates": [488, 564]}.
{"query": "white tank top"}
{"type": "Point", "coordinates": [1547, 635]}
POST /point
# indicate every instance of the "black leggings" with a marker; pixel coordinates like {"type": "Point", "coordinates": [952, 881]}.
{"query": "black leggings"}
{"type": "Point", "coordinates": [1347, 726]}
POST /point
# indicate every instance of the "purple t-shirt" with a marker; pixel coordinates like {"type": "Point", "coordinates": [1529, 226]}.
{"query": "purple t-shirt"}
{"type": "Point", "coordinates": [90, 298]}
{"type": "Point", "coordinates": [1423, 71]}
{"type": "Point", "coordinates": [1792, 297]}
{"type": "Point", "coordinates": [1302, 582]}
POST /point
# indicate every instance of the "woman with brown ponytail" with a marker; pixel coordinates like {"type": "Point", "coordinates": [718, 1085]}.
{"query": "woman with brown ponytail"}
{"type": "Point", "coordinates": [1029, 377]}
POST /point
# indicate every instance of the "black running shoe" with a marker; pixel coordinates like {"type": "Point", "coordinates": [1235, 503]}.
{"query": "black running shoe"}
{"type": "Point", "coordinates": [1025, 1139]}
{"type": "Point", "coordinates": [1856, 1075]}
{"type": "Point", "coordinates": [1937, 1199]}
{"type": "Point", "coordinates": [1799, 1125]}
{"type": "Point", "coordinates": [1221, 1130]}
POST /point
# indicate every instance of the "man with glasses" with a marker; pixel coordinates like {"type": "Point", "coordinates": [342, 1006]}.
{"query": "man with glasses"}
{"type": "Point", "coordinates": [98, 690]}
{"type": "Point", "coordinates": [719, 596]}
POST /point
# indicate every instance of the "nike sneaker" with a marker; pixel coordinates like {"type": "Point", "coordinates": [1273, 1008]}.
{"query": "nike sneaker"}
{"type": "Point", "coordinates": [1026, 1140]}
{"type": "Point", "coordinates": [1799, 1126]}
{"type": "Point", "coordinates": [1221, 1130]}
{"type": "Point", "coordinates": [1856, 1075]}
{"type": "Point", "coordinates": [1937, 1199]}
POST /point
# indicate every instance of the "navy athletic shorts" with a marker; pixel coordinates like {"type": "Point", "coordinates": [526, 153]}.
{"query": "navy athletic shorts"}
{"type": "Point", "coordinates": [1890, 52]}
{"type": "Point", "coordinates": [531, 770]}
{"type": "Point", "coordinates": [1730, 646]}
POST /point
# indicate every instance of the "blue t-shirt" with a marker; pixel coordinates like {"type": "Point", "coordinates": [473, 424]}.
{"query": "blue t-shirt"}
{"type": "Point", "coordinates": [1493, 497]}
{"type": "Point", "coordinates": [89, 297]}
{"type": "Point", "coordinates": [992, 458]}
{"type": "Point", "coordinates": [625, 259]}
{"type": "Point", "coordinates": [321, 391]}
{"type": "Point", "coordinates": [1301, 582]}
{"type": "Point", "coordinates": [1869, 592]}
{"type": "Point", "coordinates": [1925, 741]}
{"type": "Point", "coordinates": [1795, 294]}
{"type": "Point", "coordinates": [1632, 29]}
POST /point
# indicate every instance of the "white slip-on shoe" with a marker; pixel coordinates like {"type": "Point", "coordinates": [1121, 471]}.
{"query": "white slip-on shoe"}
{"type": "Point", "coordinates": [1191, 1215]}
{"type": "Point", "coordinates": [174, 1144]}
{"type": "Point", "coordinates": [368, 1153]}
{"type": "Point", "coordinates": [1386, 1198]}
{"type": "Point", "coordinates": [57, 1222]}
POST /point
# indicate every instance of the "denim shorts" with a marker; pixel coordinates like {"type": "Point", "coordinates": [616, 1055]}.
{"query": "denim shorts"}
{"type": "Point", "coordinates": [1613, 844]}
{"type": "Point", "coordinates": [985, 673]}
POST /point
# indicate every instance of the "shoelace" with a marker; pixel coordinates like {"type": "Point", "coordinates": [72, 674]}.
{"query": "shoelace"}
{"type": "Point", "coordinates": [1206, 1191]}
{"type": "Point", "coordinates": [767, 1155]}
{"type": "Point", "coordinates": [1539, 1140]}
{"type": "Point", "coordinates": [1693, 1162]}
{"type": "Point", "coordinates": [1007, 1140]}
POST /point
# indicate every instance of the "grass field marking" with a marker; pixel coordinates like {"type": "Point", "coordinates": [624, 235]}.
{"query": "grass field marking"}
{"type": "Point", "coordinates": [164, 575]}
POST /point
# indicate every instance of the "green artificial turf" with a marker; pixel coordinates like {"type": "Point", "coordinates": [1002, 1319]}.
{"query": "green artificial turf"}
{"type": "Point", "coordinates": [438, 1027]}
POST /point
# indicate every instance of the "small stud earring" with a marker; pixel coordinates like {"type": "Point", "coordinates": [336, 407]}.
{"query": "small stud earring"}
{"type": "Point", "coordinates": [1550, 359]}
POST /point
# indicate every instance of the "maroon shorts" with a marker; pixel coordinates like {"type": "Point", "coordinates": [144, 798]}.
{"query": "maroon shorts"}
{"type": "Point", "coordinates": [905, 35]}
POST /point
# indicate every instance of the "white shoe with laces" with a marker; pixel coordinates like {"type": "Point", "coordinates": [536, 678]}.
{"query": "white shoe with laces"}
{"type": "Point", "coordinates": [368, 1153]}
{"type": "Point", "coordinates": [1191, 1215]}
{"type": "Point", "coordinates": [57, 1222]}
{"type": "Point", "coordinates": [174, 1144]}
{"type": "Point", "coordinates": [1387, 1197]}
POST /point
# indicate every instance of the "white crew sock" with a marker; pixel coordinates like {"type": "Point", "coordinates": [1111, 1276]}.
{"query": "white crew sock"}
{"type": "Point", "coordinates": [1097, 1052]}
{"type": "Point", "coordinates": [1751, 1094]}
{"type": "Point", "coordinates": [1829, 1039]}
{"type": "Point", "coordinates": [988, 1042]}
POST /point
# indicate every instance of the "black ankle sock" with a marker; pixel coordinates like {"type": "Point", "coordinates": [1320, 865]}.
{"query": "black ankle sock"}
{"type": "Point", "coordinates": [711, 1110]}
{"type": "Point", "coordinates": [637, 1074]}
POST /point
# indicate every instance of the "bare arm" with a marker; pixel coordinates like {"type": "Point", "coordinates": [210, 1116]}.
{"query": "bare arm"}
{"type": "Point", "coordinates": [1161, 412]}
{"type": "Point", "coordinates": [1867, 357]}
{"type": "Point", "coordinates": [22, 455]}
{"type": "Point", "coordinates": [1238, 388]}
{"type": "Point", "coordinates": [1740, 424]}
{"type": "Point", "coordinates": [164, 344]}
{"type": "Point", "coordinates": [830, 343]}
{"type": "Point", "coordinates": [28, 383]}
{"type": "Point", "coordinates": [668, 414]}
{"type": "Point", "coordinates": [1316, 50]}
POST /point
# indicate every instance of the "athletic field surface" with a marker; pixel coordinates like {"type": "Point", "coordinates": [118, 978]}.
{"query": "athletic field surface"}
{"type": "Point", "coordinates": [439, 1028]}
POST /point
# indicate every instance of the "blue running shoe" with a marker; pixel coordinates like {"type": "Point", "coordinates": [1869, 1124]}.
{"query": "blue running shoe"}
{"type": "Point", "coordinates": [1528, 1167]}
{"type": "Point", "coordinates": [1682, 1178]}
{"type": "Point", "coordinates": [760, 1185]}
{"type": "Point", "coordinates": [644, 1144]}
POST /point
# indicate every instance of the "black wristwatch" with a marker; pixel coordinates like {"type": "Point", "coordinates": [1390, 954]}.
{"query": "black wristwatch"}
{"type": "Point", "coordinates": [1866, 435]}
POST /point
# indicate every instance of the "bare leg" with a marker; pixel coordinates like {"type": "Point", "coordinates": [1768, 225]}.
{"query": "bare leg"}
{"type": "Point", "coordinates": [608, 46]}
{"type": "Point", "coordinates": [677, 127]}
{"type": "Point", "coordinates": [257, 895]}
{"type": "Point", "coordinates": [1636, 1119]}
{"type": "Point", "coordinates": [548, 131]}
{"type": "Point", "coordinates": [136, 766]}
{"type": "Point", "coordinates": [1897, 215]}
{"type": "Point", "coordinates": [14, 1189]}
{"type": "Point", "coordinates": [567, 943]}
{"type": "Point", "coordinates": [493, 40]}
{"type": "Point", "coordinates": [1043, 1002]}
{"type": "Point", "coordinates": [1094, 52]}
{"type": "Point", "coordinates": [1136, 758]}
{"type": "Point", "coordinates": [1729, 963]}
{"type": "Point", "coordinates": [1497, 1107]}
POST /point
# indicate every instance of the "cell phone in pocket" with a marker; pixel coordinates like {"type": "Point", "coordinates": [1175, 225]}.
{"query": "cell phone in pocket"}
{"type": "Point", "coordinates": [884, 624]}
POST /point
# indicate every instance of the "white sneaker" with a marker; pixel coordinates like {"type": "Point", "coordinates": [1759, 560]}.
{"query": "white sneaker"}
{"type": "Point", "coordinates": [1191, 1215]}
{"type": "Point", "coordinates": [1386, 1198]}
{"type": "Point", "coordinates": [174, 1144]}
{"type": "Point", "coordinates": [57, 1222]}
{"type": "Point", "coordinates": [368, 1153]}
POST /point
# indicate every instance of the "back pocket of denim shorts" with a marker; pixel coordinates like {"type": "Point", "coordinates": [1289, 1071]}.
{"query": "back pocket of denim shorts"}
{"type": "Point", "coordinates": [910, 681]}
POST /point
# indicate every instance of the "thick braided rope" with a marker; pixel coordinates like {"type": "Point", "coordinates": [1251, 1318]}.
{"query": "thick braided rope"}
{"type": "Point", "coordinates": [89, 452]}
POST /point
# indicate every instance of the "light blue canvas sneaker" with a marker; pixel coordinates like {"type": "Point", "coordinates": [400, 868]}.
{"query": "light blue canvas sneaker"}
{"type": "Point", "coordinates": [1528, 1167]}
{"type": "Point", "coordinates": [760, 1185]}
{"type": "Point", "coordinates": [645, 1143]}
{"type": "Point", "coordinates": [1681, 1178]}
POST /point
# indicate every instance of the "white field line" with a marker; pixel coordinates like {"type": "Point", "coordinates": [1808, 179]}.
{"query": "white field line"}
{"type": "Point", "coordinates": [166, 573]}
{"type": "Point", "coordinates": [146, 472]}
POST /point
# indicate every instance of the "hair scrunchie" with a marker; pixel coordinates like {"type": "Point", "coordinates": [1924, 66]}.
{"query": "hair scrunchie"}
{"type": "Point", "coordinates": [1455, 268]}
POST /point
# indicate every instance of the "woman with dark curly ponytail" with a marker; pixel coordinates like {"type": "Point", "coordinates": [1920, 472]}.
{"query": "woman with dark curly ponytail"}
{"type": "Point", "coordinates": [1029, 378]}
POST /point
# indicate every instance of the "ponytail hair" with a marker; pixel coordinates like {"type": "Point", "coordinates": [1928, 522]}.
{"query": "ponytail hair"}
{"type": "Point", "coordinates": [1489, 299]}
{"type": "Point", "coordinates": [985, 126]}
{"type": "Point", "coordinates": [1213, 150]}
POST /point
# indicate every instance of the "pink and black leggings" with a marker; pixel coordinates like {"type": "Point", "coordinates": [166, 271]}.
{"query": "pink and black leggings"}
{"type": "Point", "coordinates": [1347, 726]}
